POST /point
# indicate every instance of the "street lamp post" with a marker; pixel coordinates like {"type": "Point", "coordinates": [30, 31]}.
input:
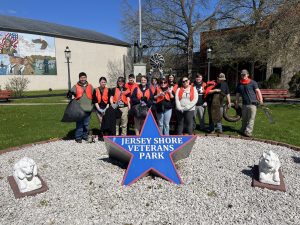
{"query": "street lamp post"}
{"type": "Point", "coordinates": [208, 54]}
{"type": "Point", "coordinates": [68, 56]}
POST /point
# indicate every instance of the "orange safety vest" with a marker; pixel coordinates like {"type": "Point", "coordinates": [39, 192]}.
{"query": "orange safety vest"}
{"type": "Point", "coordinates": [122, 97]}
{"type": "Point", "coordinates": [131, 87]}
{"type": "Point", "coordinates": [160, 98]}
{"type": "Point", "coordinates": [209, 86]}
{"type": "Point", "coordinates": [104, 97]}
{"type": "Point", "coordinates": [80, 91]}
{"type": "Point", "coordinates": [175, 86]}
{"type": "Point", "coordinates": [191, 93]}
{"type": "Point", "coordinates": [140, 94]}
{"type": "Point", "coordinates": [153, 89]}
{"type": "Point", "coordinates": [203, 86]}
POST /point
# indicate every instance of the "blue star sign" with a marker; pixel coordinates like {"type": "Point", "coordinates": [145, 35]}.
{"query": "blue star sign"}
{"type": "Point", "coordinates": [150, 152]}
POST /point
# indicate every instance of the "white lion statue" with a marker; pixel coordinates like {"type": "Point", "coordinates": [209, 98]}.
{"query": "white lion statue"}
{"type": "Point", "coordinates": [269, 168]}
{"type": "Point", "coordinates": [25, 175]}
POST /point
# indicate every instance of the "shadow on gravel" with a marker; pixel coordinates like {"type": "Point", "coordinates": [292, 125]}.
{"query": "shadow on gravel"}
{"type": "Point", "coordinates": [248, 172]}
{"type": "Point", "coordinates": [296, 159]}
{"type": "Point", "coordinates": [115, 162]}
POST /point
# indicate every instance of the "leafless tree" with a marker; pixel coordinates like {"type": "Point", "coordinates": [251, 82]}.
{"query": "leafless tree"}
{"type": "Point", "coordinates": [170, 26]}
{"type": "Point", "coordinates": [120, 67]}
{"type": "Point", "coordinates": [285, 33]}
{"type": "Point", "coordinates": [250, 23]}
{"type": "Point", "coordinates": [17, 84]}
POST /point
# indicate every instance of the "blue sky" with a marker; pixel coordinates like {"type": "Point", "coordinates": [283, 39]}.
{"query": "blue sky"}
{"type": "Point", "coordinates": [100, 15]}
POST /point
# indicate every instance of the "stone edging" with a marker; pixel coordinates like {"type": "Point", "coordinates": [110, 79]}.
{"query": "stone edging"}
{"type": "Point", "coordinates": [28, 145]}
{"type": "Point", "coordinates": [293, 147]}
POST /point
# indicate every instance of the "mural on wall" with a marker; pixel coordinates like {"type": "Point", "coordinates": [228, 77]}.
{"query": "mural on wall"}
{"type": "Point", "coordinates": [27, 54]}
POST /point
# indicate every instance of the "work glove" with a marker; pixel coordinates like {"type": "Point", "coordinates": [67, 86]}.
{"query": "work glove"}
{"type": "Point", "coordinates": [101, 111]}
{"type": "Point", "coordinates": [114, 106]}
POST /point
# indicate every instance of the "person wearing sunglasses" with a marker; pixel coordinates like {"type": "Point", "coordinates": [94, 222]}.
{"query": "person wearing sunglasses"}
{"type": "Point", "coordinates": [163, 97]}
{"type": "Point", "coordinates": [120, 99]}
{"type": "Point", "coordinates": [142, 100]}
{"type": "Point", "coordinates": [186, 98]}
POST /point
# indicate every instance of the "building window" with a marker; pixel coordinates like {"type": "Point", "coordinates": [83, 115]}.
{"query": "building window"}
{"type": "Point", "coordinates": [277, 70]}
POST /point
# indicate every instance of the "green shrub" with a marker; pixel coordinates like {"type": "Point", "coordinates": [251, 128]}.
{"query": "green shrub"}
{"type": "Point", "coordinates": [273, 81]}
{"type": "Point", "coordinates": [295, 84]}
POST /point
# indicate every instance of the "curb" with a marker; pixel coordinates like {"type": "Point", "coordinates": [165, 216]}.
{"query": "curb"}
{"type": "Point", "coordinates": [293, 147]}
{"type": "Point", "coordinates": [28, 145]}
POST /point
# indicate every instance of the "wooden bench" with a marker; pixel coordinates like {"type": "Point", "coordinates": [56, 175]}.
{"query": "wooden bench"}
{"type": "Point", "coordinates": [275, 93]}
{"type": "Point", "coordinates": [6, 94]}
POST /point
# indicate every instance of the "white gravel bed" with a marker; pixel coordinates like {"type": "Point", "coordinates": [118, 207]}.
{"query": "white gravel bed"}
{"type": "Point", "coordinates": [85, 187]}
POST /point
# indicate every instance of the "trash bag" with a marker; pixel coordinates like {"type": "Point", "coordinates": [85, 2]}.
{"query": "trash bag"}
{"type": "Point", "coordinates": [140, 111]}
{"type": "Point", "coordinates": [73, 112]}
{"type": "Point", "coordinates": [118, 113]}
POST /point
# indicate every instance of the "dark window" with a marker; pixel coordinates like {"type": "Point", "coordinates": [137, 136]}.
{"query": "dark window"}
{"type": "Point", "coordinates": [277, 70]}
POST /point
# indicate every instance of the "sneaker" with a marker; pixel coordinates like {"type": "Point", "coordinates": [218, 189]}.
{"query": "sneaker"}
{"type": "Point", "coordinates": [78, 140]}
{"type": "Point", "coordinates": [85, 138]}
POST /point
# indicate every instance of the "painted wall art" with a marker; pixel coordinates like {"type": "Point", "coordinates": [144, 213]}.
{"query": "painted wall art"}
{"type": "Point", "coordinates": [27, 54]}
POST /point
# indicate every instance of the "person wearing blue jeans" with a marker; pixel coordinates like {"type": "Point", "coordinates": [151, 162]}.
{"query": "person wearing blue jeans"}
{"type": "Point", "coordinates": [164, 121]}
{"type": "Point", "coordinates": [82, 127]}
{"type": "Point", "coordinates": [218, 125]}
{"type": "Point", "coordinates": [83, 94]}
{"type": "Point", "coordinates": [163, 97]}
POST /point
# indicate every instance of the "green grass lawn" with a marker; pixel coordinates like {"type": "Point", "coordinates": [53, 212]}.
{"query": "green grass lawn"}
{"type": "Point", "coordinates": [285, 129]}
{"type": "Point", "coordinates": [28, 124]}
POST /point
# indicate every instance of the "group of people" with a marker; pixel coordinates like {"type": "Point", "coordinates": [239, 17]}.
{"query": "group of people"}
{"type": "Point", "coordinates": [184, 103]}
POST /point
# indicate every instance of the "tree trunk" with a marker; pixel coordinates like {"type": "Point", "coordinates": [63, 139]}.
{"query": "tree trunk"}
{"type": "Point", "coordinates": [190, 55]}
{"type": "Point", "coordinates": [237, 74]}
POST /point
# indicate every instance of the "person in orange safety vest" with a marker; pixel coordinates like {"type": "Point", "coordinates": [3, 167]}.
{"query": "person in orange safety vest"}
{"type": "Point", "coordinates": [186, 98]}
{"type": "Point", "coordinates": [83, 94]}
{"type": "Point", "coordinates": [142, 100]}
{"type": "Point", "coordinates": [120, 99]}
{"type": "Point", "coordinates": [101, 100]}
{"type": "Point", "coordinates": [164, 96]}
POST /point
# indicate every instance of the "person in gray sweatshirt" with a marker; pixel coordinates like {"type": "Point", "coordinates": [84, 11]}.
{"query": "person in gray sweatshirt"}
{"type": "Point", "coordinates": [186, 98]}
